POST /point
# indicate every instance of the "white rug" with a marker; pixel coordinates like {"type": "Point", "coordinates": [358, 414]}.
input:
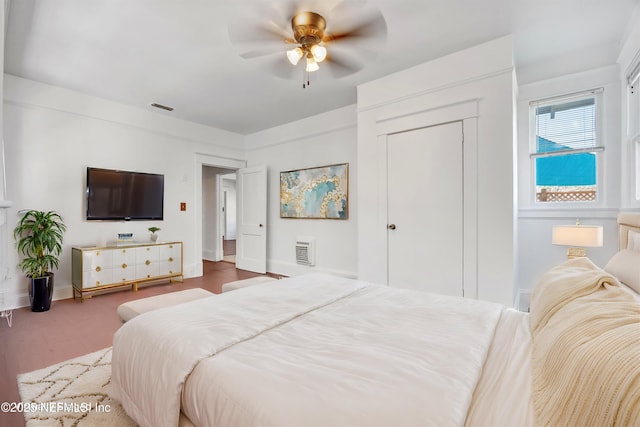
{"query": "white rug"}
{"type": "Point", "coordinates": [72, 393]}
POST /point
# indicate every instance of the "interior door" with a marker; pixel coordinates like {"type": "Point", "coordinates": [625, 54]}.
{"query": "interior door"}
{"type": "Point", "coordinates": [425, 209]}
{"type": "Point", "coordinates": [251, 214]}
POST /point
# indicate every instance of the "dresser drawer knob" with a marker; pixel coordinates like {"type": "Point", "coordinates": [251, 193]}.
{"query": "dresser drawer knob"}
{"type": "Point", "coordinates": [124, 265]}
{"type": "Point", "coordinates": [98, 268]}
{"type": "Point", "coordinates": [170, 259]}
{"type": "Point", "coordinates": [147, 262]}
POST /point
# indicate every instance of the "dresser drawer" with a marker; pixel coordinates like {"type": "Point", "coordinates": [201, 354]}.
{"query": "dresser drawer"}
{"type": "Point", "coordinates": [125, 256]}
{"type": "Point", "coordinates": [97, 277]}
{"type": "Point", "coordinates": [147, 255]}
{"type": "Point", "coordinates": [98, 259]}
{"type": "Point", "coordinates": [147, 271]}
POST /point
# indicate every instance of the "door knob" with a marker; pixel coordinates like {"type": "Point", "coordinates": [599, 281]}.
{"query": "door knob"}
{"type": "Point", "coordinates": [391, 226]}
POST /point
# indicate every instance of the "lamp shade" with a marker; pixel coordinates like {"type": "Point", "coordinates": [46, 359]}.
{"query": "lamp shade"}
{"type": "Point", "coordinates": [294, 55]}
{"type": "Point", "coordinates": [311, 64]}
{"type": "Point", "coordinates": [319, 53]}
{"type": "Point", "coordinates": [577, 235]}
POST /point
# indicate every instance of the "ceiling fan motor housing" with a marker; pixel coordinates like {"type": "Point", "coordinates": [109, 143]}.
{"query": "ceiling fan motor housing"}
{"type": "Point", "coordinates": [308, 28]}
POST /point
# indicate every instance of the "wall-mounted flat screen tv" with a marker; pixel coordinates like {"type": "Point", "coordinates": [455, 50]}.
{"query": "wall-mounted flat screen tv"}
{"type": "Point", "coordinates": [122, 196]}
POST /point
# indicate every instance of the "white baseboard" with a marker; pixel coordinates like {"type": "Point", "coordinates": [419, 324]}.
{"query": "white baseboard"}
{"type": "Point", "coordinates": [192, 270]}
{"type": "Point", "coordinates": [523, 300]}
{"type": "Point", "coordinates": [210, 255]}
{"type": "Point", "coordinates": [59, 292]}
{"type": "Point", "coordinates": [292, 269]}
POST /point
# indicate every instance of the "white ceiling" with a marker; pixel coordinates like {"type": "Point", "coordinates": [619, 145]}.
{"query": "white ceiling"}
{"type": "Point", "coordinates": [179, 53]}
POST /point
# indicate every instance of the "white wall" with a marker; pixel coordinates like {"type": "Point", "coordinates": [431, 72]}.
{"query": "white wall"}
{"type": "Point", "coordinates": [482, 75]}
{"type": "Point", "coordinates": [536, 254]}
{"type": "Point", "coordinates": [4, 231]}
{"type": "Point", "coordinates": [52, 135]}
{"type": "Point", "coordinates": [325, 139]}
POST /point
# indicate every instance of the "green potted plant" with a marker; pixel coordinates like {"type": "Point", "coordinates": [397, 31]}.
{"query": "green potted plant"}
{"type": "Point", "coordinates": [153, 230]}
{"type": "Point", "coordinates": [38, 235]}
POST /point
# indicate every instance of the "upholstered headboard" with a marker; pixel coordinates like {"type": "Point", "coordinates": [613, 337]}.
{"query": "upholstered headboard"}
{"type": "Point", "coordinates": [627, 221]}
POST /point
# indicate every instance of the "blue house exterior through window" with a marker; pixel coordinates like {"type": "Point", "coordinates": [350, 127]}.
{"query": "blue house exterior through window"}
{"type": "Point", "coordinates": [565, 149]}
{"type": "Point", "coordinates": [563, 171]}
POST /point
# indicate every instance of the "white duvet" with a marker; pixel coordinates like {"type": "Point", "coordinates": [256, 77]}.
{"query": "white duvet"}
{"type": "Point", "coordinates": [315, 350]}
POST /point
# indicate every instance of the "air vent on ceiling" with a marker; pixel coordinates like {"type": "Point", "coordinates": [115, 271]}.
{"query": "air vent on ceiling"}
{"type": "Point", "coordinates": [163, 107]}
{"type": "Point", "coordinates": [305, 251]}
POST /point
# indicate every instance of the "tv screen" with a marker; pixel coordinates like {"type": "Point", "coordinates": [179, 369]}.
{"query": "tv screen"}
{"type": "Point", "coordinates": [123, 195]}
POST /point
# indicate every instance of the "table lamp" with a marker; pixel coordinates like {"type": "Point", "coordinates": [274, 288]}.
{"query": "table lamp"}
{"type": "Point", "coordinates": [578, 236]}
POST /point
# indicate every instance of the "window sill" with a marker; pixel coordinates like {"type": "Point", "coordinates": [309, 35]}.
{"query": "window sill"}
{"type": "Point", "coordinates": [568, 212]}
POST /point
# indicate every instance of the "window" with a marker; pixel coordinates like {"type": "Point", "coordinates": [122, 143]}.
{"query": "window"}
{"type": "Point", "coordinates": [633, 118]}
{"type": "Point", "coordinates": [565, 146]}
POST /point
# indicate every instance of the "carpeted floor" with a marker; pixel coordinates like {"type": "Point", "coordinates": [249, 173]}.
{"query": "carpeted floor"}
{"type": "Point", "coordinates": [72, 393]}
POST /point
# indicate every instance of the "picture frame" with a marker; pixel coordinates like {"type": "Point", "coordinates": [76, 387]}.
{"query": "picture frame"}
{"type": "Point", "coordinates": [315, 193]}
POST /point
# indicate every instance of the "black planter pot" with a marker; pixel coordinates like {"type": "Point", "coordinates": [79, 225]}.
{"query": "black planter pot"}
{"type": "Point", "coordinates": [41, 292]}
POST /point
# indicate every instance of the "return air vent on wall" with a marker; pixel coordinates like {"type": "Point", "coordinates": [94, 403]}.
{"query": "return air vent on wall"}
{"type": "Point", "coordinates": [305, 251]}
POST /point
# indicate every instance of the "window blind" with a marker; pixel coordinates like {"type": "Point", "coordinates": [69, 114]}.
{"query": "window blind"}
{"type": "Point", "coordinates": [566, 125]}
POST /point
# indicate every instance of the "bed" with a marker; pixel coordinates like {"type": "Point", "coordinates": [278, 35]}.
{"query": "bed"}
{"type": "Point", "coordinates": [319, 350]}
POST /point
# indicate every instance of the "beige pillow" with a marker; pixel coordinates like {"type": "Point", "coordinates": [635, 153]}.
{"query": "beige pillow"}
{"type": "Point", "coordinates": [625, 265]}
{"type": "Point", "coordinates": [633, 241]}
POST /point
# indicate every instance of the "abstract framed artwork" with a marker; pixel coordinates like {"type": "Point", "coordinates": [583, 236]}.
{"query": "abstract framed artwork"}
{"type": "Point", "coordinates": [320, 192]}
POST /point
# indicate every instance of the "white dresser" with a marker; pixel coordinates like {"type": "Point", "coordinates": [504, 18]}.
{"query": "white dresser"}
{"type": "Point", "coordinates": [96, 269]}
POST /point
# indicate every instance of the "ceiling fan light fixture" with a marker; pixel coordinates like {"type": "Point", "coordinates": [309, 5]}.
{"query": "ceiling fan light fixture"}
{"type": "Point", "coordinates": [312, 65]}
{"type": "Point", "coordinates": [294, 55]}
{"type": "Point", "coordinates": [319, 53]}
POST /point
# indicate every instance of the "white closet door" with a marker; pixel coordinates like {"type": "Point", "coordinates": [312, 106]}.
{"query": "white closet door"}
{"type": "Point", "coordinates": [425, 209]}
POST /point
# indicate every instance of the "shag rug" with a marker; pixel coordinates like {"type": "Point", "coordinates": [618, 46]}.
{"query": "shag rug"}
{"type": "Point", "coordinates": [72, 393]}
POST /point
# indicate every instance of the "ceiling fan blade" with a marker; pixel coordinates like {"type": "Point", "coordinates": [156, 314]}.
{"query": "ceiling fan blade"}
{"type": "Point", "coordinates": [280, 67]}
{"type": "Point", "coordinates": [271, 16]}
{"type": "Point", "coordinates": [289, 9]}
{"type": "Point", "coordinates": [373, 26]}
{"type": "Point", "coordinates": [266, 32]}
{"type": "Point", "coordinates": [257, 53]}
{"type": "Point", "coordinates": [341, 65]}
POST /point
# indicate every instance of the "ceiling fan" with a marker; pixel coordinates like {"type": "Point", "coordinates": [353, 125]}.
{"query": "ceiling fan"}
{"type": "Point", "coordinates": [342, 38]}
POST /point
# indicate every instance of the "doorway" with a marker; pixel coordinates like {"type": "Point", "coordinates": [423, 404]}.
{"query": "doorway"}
{"type": "Point", "coordinates": [251, 200]}
{"type": "Point", "coordinates": [218, 214]}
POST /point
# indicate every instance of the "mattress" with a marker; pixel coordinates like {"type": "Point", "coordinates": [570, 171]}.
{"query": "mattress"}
{"type": "Point", "coordinates": [321, 350]}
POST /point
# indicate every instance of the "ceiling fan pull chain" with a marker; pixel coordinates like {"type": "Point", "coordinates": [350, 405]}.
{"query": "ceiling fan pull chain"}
{"type": "Point", "coordinates": [303, 79]}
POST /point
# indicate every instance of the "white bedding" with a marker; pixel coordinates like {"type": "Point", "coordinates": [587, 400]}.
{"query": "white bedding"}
{"type": "Point", "coordinates": [320, 350]}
